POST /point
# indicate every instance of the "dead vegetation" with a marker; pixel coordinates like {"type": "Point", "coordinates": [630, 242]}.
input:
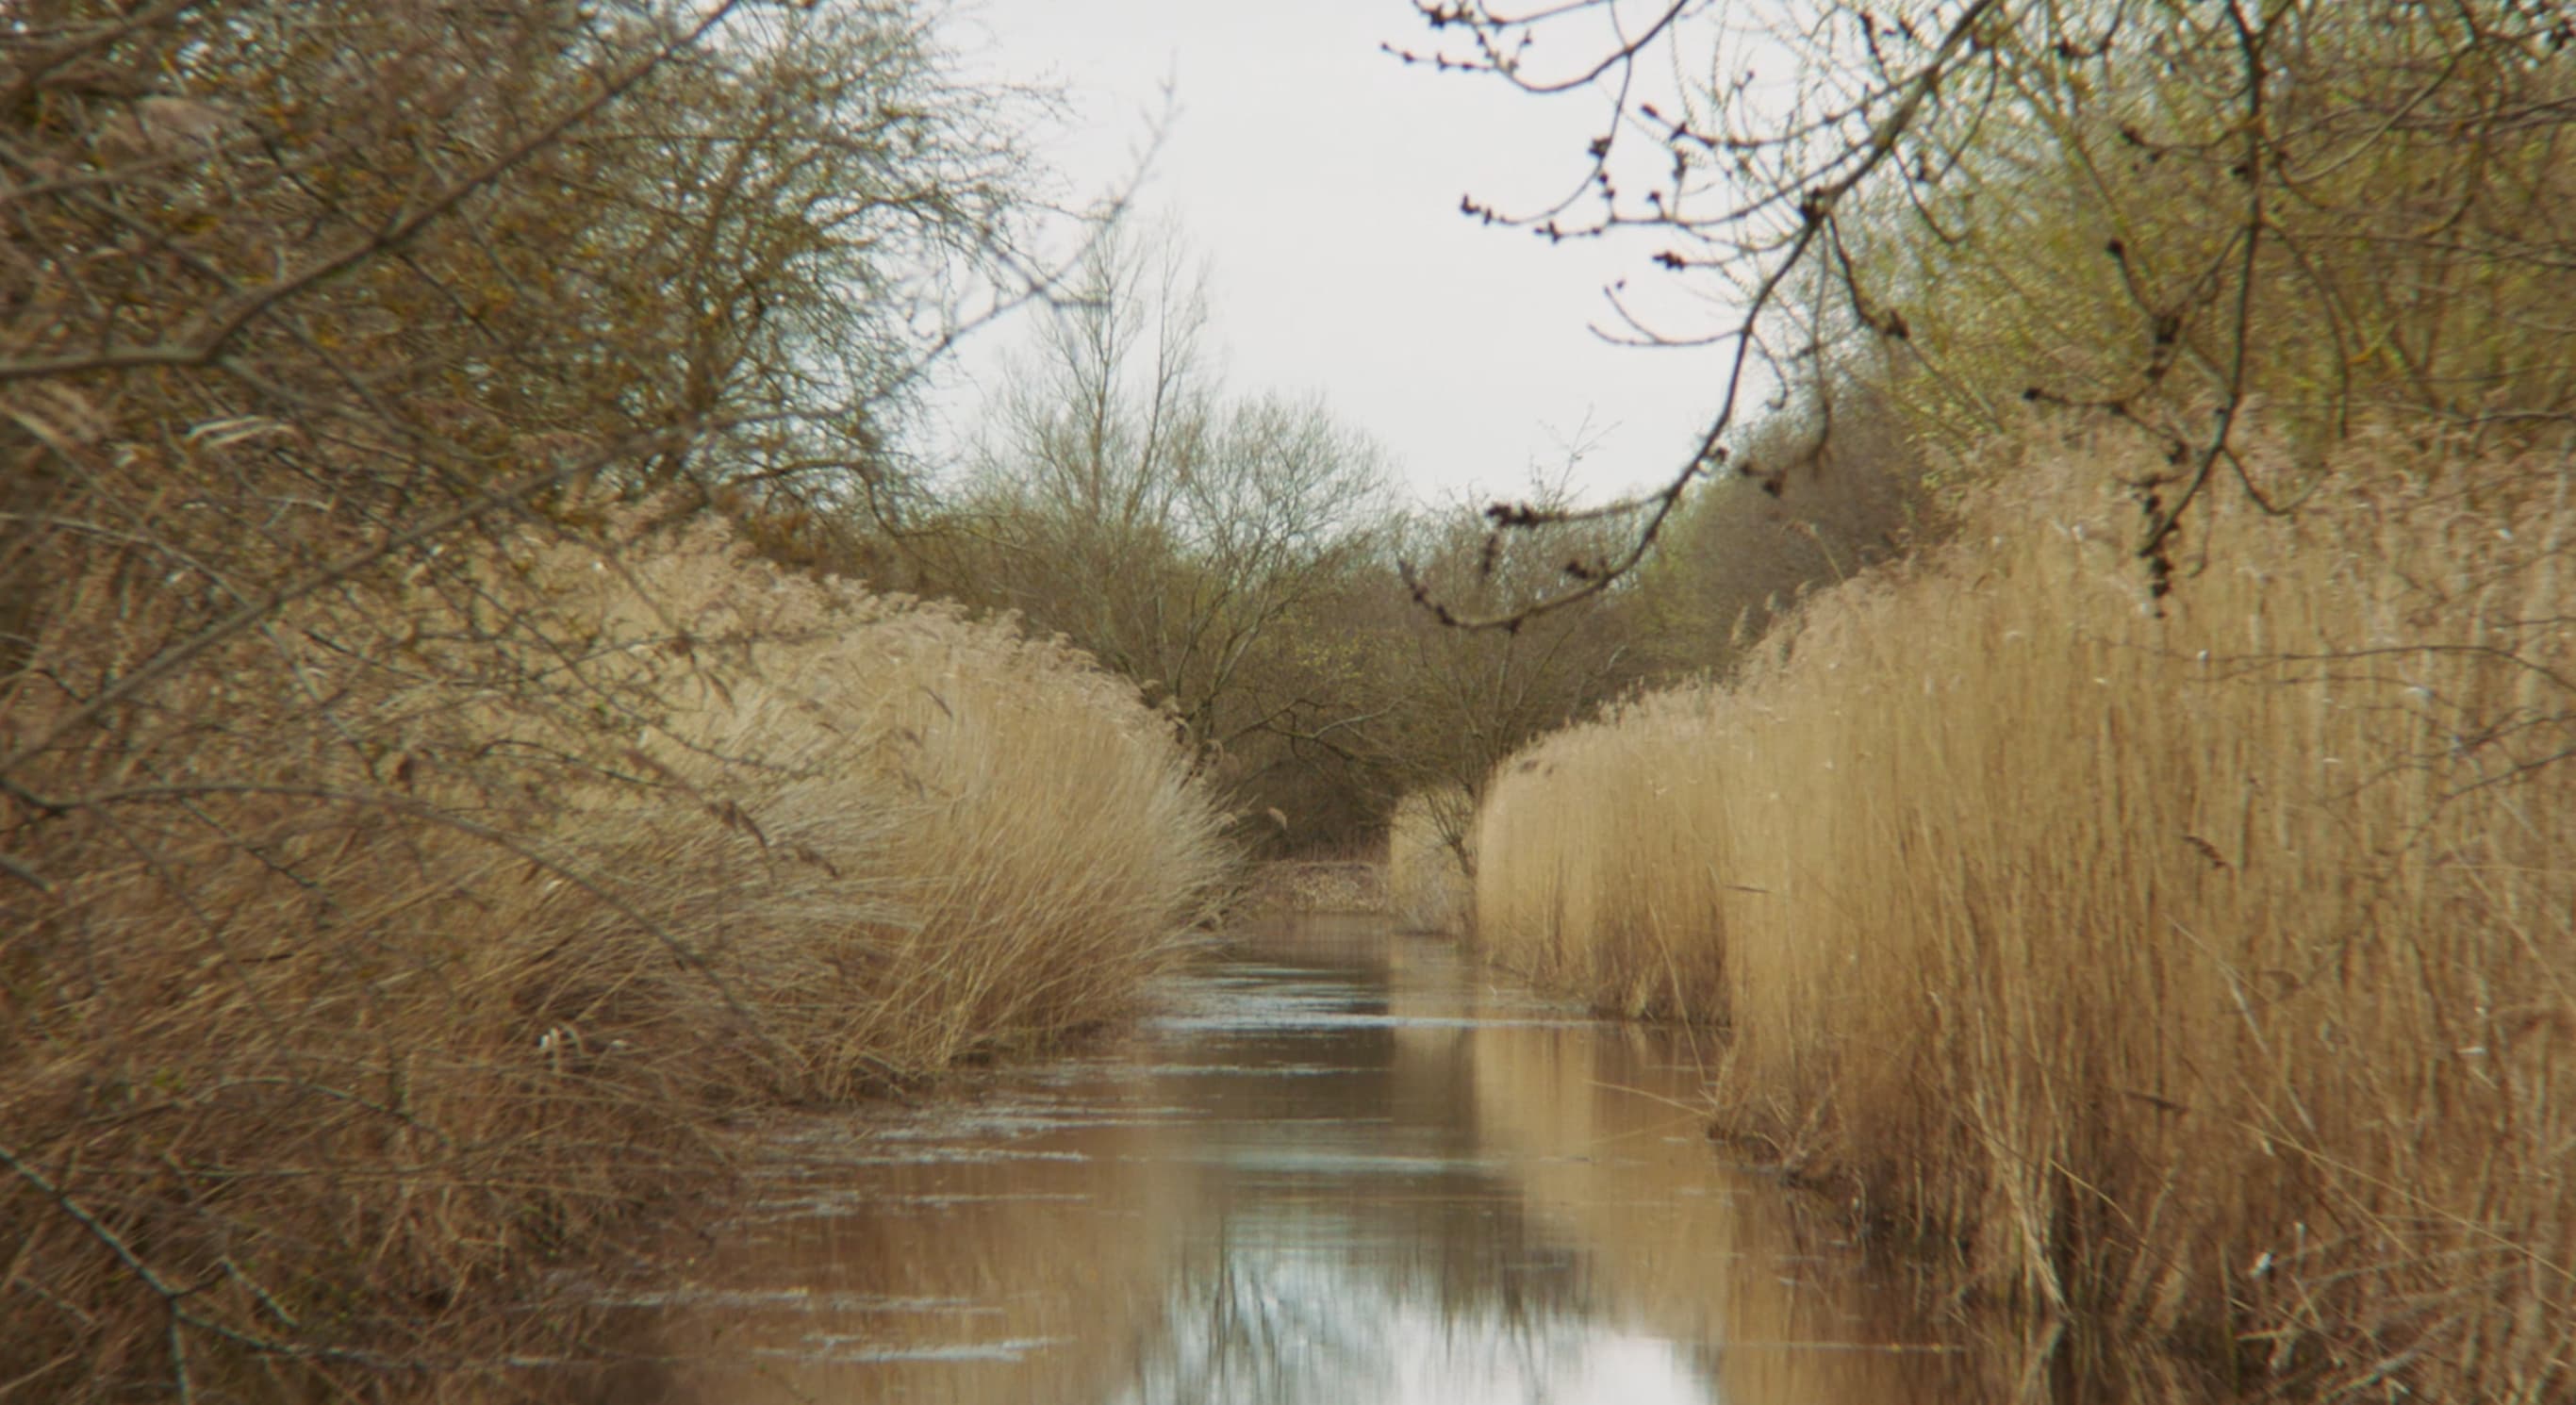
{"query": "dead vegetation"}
{"type": "Point", "coordinates": [2203, 970]}
{"type": "Point", "coordinates": [423, 832]}
{"type": "Point", "coordinates": [1430, 880]}
{"type": "Point", "coordinates": [386, 955]}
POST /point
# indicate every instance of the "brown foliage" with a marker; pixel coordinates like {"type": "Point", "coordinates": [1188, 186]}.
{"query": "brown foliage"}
{"type": "Point", "coordinates": [408, 854]}
{"type": "Point", "coordinates": [2205, 970]}
{"type": "Point", "coordinates": [390, 951]}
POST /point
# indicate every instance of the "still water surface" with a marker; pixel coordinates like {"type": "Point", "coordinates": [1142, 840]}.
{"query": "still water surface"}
{"type": "Point", "coordinates": [1342, 1167]}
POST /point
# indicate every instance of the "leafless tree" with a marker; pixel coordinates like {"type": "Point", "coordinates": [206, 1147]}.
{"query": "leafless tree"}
{"type": "Point", "coordinates": [2161, 213]}
{"type": "Point", "coordinates": [1188, 537]}
{"type": "Point", "coordinates": [320, 323]}
{"type": "Point", "coordinates": [1458, 702]}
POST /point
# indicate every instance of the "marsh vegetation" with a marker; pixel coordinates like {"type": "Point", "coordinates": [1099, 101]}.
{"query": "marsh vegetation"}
{"type": "Point", "coordinates": [2205, 973]}
{"type": "Point", "coordinates": [2154, 899]}
{"type": "Point", "coordinates": [495, 700]}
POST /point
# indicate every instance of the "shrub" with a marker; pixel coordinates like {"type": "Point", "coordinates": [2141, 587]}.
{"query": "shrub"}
{"type": "Point", "coordinates": [1429, 884]}
{"type": "Point", "coordinates": [406, 942]}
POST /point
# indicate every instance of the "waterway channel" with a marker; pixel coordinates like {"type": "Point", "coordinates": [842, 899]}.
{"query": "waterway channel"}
{"type": "Point", "coordinates": [1340, 1167]}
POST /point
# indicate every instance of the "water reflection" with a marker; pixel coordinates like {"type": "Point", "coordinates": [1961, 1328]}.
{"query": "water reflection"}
{"type": "Point", "coordinates": [1342, 1169]}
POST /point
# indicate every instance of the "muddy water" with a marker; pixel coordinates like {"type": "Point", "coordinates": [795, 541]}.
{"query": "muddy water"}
{"type": "Point", "coordinates": [1343, 1168]}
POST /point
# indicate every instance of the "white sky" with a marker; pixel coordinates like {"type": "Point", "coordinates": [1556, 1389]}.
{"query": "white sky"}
{"type": "Point", "coordinates": [1321, 179]}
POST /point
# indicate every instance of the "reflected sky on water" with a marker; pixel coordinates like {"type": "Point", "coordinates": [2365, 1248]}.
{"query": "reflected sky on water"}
{"type": "Point", "coordinates": [1344, 1167]}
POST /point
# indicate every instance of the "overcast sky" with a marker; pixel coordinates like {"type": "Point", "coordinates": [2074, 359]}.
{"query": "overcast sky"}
{"type": "Point", "coordinates": [1321, 179]}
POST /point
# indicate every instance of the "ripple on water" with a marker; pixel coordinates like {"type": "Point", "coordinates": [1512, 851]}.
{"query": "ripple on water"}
{"type": "Point", "coordinates": [1345, 1171]}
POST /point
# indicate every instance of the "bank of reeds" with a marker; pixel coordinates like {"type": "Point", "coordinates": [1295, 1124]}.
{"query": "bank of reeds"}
{"type": "Point", "coordinates": [1427, 846]}
{"type": "Point", "coordinates": [2212, 973]}
{"type": "Point", "coordinates": [389, 950]}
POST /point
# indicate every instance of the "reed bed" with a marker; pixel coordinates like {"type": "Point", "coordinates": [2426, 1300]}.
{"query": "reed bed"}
{"type": "Point", "coordinates": [2211, 972]}
{"type": "Point", "coordinates": [1429, 888]}
{"type": "Point", "coordinates": [396, 949]}
{"type": "Point", "coordinates": [1597, 871]}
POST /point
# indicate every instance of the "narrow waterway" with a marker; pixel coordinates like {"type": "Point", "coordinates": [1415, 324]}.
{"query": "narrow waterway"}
{"type": "Point", "coordinates": [1343, 1168]}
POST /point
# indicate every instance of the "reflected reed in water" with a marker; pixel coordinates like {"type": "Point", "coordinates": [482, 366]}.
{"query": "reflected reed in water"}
{"type": "Point", "coordinates": [1340, 1169]}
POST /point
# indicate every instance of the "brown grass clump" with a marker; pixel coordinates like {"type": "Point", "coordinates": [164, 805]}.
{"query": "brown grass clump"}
{"type": "Point", "coordinates": [1428, 885]}
{"type": "Point", "coordinates": [2208, 972]}
{"type": "Point", "coordinates": [402, 943]}
{"type": "Point", "coordinates": [1596, 871]}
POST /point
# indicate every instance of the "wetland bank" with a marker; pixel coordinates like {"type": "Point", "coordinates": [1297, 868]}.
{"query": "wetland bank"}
{"type": "Point", "coordinates": [506, 683]}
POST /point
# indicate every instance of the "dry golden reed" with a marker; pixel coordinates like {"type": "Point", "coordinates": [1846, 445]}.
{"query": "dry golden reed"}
{"type": "Point", "coordinates": [1428, 887]}
{"type": "Point", "coordinates": [2213, 973]}
{"type": "Point", "coordinates": [404, 944]}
